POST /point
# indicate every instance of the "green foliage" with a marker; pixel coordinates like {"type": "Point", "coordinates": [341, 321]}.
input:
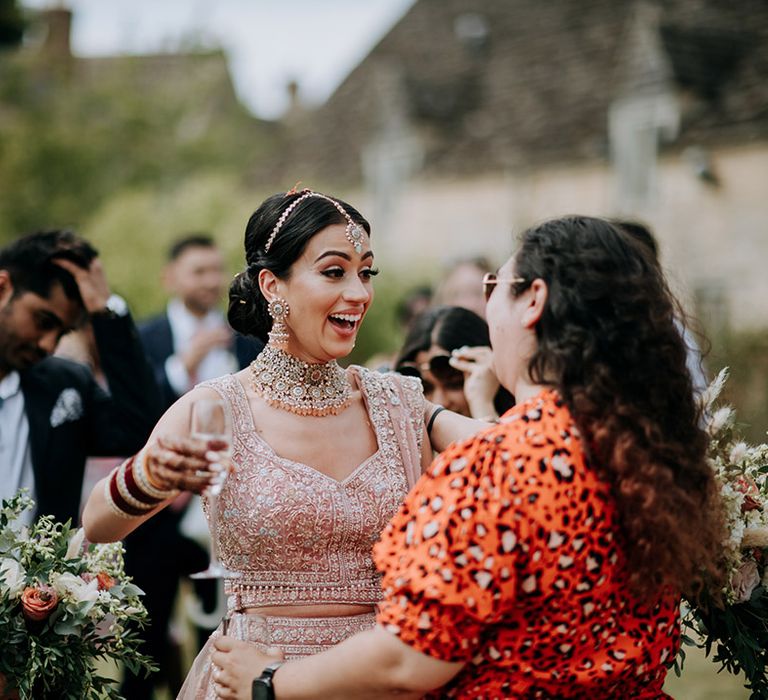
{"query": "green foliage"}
{"type": "Point", "coordinates": [78, 132]}
{"type": "Point", "coordinates": [134, 229]}
{"type": "Point", "coordinates": [11, 23]}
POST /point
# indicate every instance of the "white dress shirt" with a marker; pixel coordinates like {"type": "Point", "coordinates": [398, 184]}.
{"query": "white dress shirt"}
{"type": "Point", "coordinates": [15, 454]}
{"type": "Point", "coordinates": [184, 325]}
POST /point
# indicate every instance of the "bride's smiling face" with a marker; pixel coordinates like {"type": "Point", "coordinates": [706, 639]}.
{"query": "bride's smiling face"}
{"type": "Point", "coordinates": [329, 290]}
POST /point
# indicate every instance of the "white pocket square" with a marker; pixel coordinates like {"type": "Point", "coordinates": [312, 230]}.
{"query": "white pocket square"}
{"type": "Point", "coordinates": [68, 407]}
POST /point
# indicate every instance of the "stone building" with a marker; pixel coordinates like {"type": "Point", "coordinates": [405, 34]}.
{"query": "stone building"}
{"type": "Point", "coordinates": [474, 118]}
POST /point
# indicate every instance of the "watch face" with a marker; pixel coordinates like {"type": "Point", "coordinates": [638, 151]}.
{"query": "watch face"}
{"type": "Point", "coordinates": [262, 690]}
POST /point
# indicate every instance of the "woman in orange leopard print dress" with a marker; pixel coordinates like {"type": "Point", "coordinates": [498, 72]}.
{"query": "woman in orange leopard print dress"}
{"type": "Point", "coordinates": [546, 556]}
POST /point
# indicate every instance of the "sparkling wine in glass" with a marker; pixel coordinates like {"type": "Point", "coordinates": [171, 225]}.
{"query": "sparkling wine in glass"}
{"type": "Point", "coordinates": [211, 420]}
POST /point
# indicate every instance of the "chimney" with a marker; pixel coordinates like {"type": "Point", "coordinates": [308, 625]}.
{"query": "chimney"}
{"type": "Point", "coordinates": [56, 44]}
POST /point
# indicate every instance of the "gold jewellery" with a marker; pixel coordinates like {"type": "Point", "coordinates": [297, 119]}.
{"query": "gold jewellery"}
{"type": "Point", "coordinates": [288, 383]}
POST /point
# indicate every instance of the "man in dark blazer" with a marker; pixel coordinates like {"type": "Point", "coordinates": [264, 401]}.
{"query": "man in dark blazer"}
{"type": "Point", "coordinates": [191, 341]}
{"type": "Point", "coordinates": [53, 414]}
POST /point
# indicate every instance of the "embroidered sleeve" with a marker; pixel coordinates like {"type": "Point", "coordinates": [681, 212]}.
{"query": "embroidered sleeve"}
{"type": "Point", "coordinates": [415, 402]}
{"type": "Point", "coordinates": [449, 557]}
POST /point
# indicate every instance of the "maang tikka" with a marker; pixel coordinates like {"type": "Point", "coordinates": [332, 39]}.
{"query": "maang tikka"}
{"type": "Point", "coordinates": [354, 233]}
{"type": "Point", "coordinates": [278, 309]}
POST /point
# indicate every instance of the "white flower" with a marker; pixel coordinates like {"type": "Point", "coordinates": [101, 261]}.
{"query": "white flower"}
{"type": "Point", "coordinates": [75, 544]}
{"type": "Point", "coordinates": [74, 588]}
{"type": "Point", "coordinates": [714, 389]}
{"type": "Point", "coordinates": [720, 419]}
{"type": "Point", "coordinates": [12, 576]}
{"type": "Point", "coordinates": [738, 452]}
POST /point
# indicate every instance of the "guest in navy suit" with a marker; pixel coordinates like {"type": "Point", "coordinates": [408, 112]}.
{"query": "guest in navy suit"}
{"type": "Point", "coordinates": [53, 414]}
{"type": "Point", "coordinates": [189, 343]}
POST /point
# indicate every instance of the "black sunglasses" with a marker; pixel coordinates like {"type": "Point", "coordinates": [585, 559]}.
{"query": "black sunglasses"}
{"type": "Point", "coordinates": [440, 368]}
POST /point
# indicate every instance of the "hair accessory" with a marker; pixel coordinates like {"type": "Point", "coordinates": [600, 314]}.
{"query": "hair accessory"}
{"type": "Point", "coordinates": [293, 189]}
{"type": "Point", "coordinates": [285, 382]}
{"type": "Point", "coordinates": [355, 233]}
{"type": "Point", "coordinates": [279, 310]}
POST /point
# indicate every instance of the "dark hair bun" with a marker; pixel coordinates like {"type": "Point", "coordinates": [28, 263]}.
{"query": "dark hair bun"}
{"type": "Point", "coordinates": [247, 313]}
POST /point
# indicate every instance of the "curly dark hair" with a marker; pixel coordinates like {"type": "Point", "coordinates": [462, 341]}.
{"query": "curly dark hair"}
{"type": "Point", "coordinates": [247, 306]}
{"type": "Point", "coordinates": [609, 340]}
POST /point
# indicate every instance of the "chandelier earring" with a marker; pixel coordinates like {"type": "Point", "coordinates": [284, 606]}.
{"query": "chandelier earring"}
{"type": "Point", "coordinates": [279, 310]}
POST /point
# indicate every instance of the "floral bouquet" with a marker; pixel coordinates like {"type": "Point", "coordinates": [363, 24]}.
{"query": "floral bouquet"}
{"type": "Point", "coordinates": [737, 630]}
{"type": "Point", "coordinates": [62, 606]}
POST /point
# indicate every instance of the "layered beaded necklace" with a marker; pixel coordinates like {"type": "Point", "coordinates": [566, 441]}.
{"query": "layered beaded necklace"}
{"type": "Point", "coordinates": [288, 383]}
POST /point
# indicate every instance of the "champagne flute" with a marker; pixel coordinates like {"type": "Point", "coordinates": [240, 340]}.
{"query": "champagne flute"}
{"type": "Point", "coordinates": [210, 421]}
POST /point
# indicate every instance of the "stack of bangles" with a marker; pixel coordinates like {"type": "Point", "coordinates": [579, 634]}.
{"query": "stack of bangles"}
{"type": "Point", "coordinates": [130, 491]}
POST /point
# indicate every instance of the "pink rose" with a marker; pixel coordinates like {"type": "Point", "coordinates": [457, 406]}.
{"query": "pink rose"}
{"type": "Point", "coordinates": [38, 602]}
{"type": "Point", "coordinates": [744, 581]}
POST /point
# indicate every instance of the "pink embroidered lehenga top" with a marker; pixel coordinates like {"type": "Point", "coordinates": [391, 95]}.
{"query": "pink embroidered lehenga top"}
{"type": "Point", "coordinates": [300, 537]}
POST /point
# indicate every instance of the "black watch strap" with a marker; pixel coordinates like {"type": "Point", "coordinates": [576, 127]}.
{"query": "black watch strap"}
{"type": "Point", "coordinates": [262, 688]}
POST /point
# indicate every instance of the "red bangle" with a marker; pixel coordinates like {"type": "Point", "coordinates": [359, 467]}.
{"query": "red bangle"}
{"type": "Point", "coordinates": [135, 490]}
{"type": "Point", "coordinates": [118, 499]}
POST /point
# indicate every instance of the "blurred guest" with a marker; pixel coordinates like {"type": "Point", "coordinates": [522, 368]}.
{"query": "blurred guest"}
{"type": "Point", "coordinates": [53, 413]}
{"type": "Point", "coordinates": [191, 342]}
{"type": "Point", "coordinates": [449, 349]}
{"type": "Point", "coordinates": [461, 285]}
{"type": "Point", "coordinates": [534, 560]}
{"type": "Point", "coordinates": [80, 346]}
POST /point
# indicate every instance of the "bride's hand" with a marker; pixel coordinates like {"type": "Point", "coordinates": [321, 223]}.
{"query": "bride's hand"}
{"type": "Point", "coordinates": [236, 665]}
{"type": "Point", "coordinates": [183, 463]}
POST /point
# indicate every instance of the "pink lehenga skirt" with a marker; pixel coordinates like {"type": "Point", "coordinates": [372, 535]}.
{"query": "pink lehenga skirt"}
{"type": "Point", "coordinates": [295, 636]}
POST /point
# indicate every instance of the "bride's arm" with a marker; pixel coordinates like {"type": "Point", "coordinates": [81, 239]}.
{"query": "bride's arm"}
{"type": "Point", "coordinates": [445, 427]}
{"type": "Point", "coordinates": [171, 459]}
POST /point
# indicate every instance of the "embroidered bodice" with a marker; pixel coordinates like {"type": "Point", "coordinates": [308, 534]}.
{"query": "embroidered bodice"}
{"type": "Point", "coordinates": [301, 537]}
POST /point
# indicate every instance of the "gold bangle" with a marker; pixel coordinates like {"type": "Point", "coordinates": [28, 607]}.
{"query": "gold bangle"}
{"type": "Point", "coordinates": [143, 481]}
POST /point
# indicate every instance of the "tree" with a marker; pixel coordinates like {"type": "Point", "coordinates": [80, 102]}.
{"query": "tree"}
{"type": "Point", "coordinates": [11, 24]}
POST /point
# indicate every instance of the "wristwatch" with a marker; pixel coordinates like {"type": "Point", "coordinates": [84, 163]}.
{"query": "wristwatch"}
{"type": "Point", "coordinates": [116, 307]}
{"type": "Point", "coordinates": [262, 688]}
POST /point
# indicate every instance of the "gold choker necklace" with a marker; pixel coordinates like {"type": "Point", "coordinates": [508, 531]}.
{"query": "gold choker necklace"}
{"type": "Point", "coordinates": [285, 382]}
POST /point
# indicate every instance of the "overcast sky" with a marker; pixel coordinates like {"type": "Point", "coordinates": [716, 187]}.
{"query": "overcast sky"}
{"type": "Point", "coordinates": [268, 42]}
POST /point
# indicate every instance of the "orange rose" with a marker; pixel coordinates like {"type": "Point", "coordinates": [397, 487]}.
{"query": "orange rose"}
{"type": "Point", "coordinates": [38, 602]}
{"type": "Point", "coordinates": [105, 581]}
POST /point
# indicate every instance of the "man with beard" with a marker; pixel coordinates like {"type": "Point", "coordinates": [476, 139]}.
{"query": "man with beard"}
{"type": "Point", "coordinates": [53, 414]}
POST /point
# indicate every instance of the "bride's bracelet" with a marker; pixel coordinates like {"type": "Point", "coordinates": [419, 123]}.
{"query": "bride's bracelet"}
{"type": "Point", "coordinates": [144, 480]}
{"type": "Point", "coordinates": [118, 496]}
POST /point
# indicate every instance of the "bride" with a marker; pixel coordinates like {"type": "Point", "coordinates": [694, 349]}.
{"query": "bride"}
{"type": "Point", "coordinates": [322, 456]}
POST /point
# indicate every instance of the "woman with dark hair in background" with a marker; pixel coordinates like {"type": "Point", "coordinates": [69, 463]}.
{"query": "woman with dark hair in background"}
{"type": "Point", "coordinates": [322, 456]}
{"type": "Point", "coordinates": [448, 348]}
{"type": "Point", "coordinates": [545, 556]}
